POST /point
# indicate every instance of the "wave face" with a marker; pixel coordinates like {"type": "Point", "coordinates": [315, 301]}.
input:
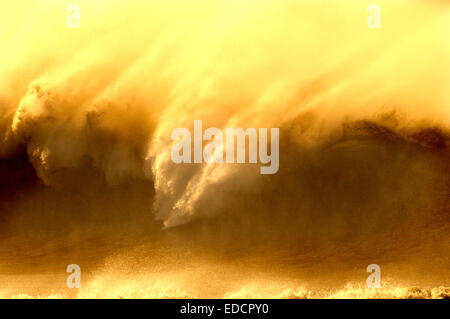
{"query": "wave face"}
{"type": "Point", "coordinates": [86, 175]}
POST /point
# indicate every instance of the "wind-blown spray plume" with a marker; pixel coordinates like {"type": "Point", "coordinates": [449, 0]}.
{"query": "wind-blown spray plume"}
{"type": "Point", "coordinates": [86, 117]}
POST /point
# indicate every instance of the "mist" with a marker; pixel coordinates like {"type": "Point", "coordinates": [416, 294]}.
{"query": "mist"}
{"type": "Point", "coordinates": [86, 117]}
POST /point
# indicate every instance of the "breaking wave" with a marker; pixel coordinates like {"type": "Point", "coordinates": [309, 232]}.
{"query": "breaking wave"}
{"type": "Point", "coordinates": [86, 175]}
